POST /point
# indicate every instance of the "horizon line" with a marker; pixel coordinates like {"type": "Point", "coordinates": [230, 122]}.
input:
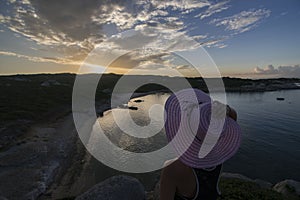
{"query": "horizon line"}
{"type": "Point", "coordinates": [232, 77]}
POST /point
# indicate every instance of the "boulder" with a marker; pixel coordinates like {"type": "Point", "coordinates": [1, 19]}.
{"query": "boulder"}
{"type": "Point", "coordinates": [49, 83]}
{"type": "Point", "coordinates": [237, 176]}
{"type": "Point", "coordinates": [261, 183]}
{"type": "Point", "coordinates": [288, 188]}
{"type": "Point", "coordinates": [116, 188]}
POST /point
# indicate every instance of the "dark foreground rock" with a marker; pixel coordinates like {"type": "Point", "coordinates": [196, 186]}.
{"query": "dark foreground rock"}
{"type": "Point", "coordinates": [28, 168]}
{"type": "Point", "coordinates": [238, 187]}
{"type": "Point", "coordinates": [288, 188]}
{"type": "Point", "coordinates": [261, 183]}
{"type": "Point", "coordinates": [115, 188]}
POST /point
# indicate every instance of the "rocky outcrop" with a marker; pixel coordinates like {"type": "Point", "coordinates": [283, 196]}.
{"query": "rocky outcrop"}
{"type": "Point", "coordinates": [115, 188]}
{"type": "Point", "coordinates": [154, 195]}
{"type": "Point", "coordinates": [261, 183]}
{"type": "Point", "coordinates": [30, 166]}
{"type": "Point", "coordinates": [288, 188]}
{"type": "Point", "coordinates": [49, 83]}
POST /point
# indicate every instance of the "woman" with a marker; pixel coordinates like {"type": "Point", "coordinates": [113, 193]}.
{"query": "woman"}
{"type": "Point", "coordinates": [195, 175]}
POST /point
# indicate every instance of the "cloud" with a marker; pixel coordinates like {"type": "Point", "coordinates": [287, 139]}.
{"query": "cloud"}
{"type": "Point", "coordinates": [281, 71]}
{"type": "Point", "coordinates": [63, 26]}
{"type": "Point", "coordinates": [243, 21]}
{"type": "Point", "coordinates": [214, 8]}
{"type": "Point", "coordinates": [183, 5]}
{"type": "Point", "coordinates": [220, 45]}
{"type": "Point", "coordinates": [41, 59]}
{"type": "Point", "coordinates": [268, 70]}
{"type": "Point", "coordinates": [136, 58]}
{"type": "Point", "coordinates": [80, 23]}
{"type": "Point", "coordinates": [73, 28]}
{"type": "Point", "coordinates": [182, 67]}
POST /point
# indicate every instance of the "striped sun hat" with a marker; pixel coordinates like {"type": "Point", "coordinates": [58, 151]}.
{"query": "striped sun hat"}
{"type": "Point", "coordinates": [199, 140]}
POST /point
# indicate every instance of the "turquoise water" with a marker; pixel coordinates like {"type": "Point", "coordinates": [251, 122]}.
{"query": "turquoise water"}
{"type": "Point", "coordinates": [270, 148]}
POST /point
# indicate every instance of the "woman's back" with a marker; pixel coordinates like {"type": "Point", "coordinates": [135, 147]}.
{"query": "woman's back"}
{"type": "Point", "coordinates": [190, 183]}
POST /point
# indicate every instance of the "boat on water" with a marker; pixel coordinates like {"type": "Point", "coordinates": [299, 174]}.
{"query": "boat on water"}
{"type": "Point", "coordinates": [138, 101]}
{"type": "Point", "coordinates": [125, 106]}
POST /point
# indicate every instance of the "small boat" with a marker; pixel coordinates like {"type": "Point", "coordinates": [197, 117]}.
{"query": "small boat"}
{"type": "Point", "coordinates": [132, 108]}
{"type": "Point", "coordinates": [280, 98]}
{"type": "Point", "coordinates": [138, 101]}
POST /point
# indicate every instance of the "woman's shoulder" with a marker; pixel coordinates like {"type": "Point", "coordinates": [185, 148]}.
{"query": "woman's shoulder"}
{"type": "Point", "coordinates": [174, 168]}
{"type": "Point", "coordinates": [168, 162]}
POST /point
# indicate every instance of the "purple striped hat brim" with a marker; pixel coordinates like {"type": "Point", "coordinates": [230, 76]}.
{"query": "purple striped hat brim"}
{"type": "Point", "coordinates": [187, 145]}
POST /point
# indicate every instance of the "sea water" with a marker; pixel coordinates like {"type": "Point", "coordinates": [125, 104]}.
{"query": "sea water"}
{"type": "Point", "coordinates": [270, 148]}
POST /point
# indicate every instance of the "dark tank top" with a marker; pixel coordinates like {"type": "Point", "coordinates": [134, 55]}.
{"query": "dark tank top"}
{"type": "Point", "coordinates": [207, 184]}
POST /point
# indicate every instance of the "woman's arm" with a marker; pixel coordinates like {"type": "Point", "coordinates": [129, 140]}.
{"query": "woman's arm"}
{"type": "Point", "coordinates": [167, 184]}
{"type": "Point", "coordinates": [219, 110]}
{"type": "Point", "coordinates": [231, 113]}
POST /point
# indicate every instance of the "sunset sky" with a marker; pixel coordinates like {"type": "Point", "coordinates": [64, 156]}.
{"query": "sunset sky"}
{"type": "Point", "coordinates": [250, 38]}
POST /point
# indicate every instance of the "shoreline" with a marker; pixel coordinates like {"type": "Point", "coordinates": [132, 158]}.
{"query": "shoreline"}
{"type": "Point", "coordinates": [55, 177]}
{"type": "Point", "coordinates": [86, 165]}
{"type": "Point", "coordinates": [41, 154]}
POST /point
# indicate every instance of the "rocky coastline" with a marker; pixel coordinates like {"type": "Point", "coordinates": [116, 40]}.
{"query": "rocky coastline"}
{"type": "Point", "coordinates": [127, 188]}
{"type": "Point", "coordinates": [53, 154]}
{"type": "Point", "coordinates": [41, 155]}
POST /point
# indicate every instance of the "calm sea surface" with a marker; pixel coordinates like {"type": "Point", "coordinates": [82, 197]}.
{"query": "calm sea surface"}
{"type": "Point", "coordinates": [270, 147]}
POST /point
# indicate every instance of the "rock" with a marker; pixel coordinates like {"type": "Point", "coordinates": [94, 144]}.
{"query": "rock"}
{"type": "Point", "coordinates": [237, 176]}
{"type": "Point", "coordinates": [107, 91]}
{"type": "Point", "coordinates": [288, 188]}
{"type": "Point", "coordinates": [50, 82]}
{"type": "Point", "coordinates": [261, 183]}
{"type": "Point", "coordinates": [156, 195]}
{"type": "Point", "coordinates": [115, 188]}
{"type": "Point", "coordinates": [20, 79]}
{"type": "Point", "coordinates": [45, 84]}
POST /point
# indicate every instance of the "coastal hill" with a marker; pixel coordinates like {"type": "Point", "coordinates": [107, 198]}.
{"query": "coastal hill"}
{"type": "Point", "coordinates": [31, 97]}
